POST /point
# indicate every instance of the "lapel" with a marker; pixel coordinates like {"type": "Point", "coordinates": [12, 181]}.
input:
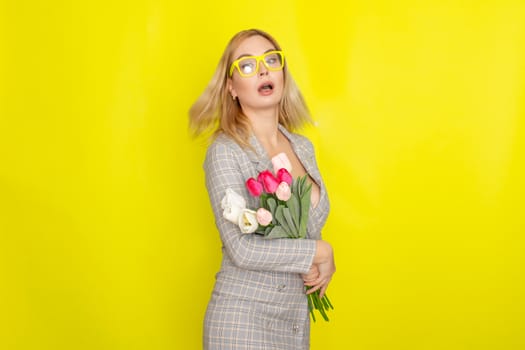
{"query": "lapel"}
{"type": "Point", "coordinates": [259, 158]}
{"type": "Point", "coordinates": [300, 147]}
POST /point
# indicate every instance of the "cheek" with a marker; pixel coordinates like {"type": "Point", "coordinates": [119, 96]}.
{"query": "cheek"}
{"type": "Point", "coordinates": [280, 83]}
{"type": "Point", "coordinates": [240, 85]}
{"type": "Point", "coordinates": [279, 79]}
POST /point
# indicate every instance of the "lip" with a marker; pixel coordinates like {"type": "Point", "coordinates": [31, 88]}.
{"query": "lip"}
{"type": "Point", "coordinates": [265, 92]}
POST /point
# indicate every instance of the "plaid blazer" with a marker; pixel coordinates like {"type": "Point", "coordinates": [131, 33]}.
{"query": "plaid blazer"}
{"type": "Point", "coordinates": [258, 301]}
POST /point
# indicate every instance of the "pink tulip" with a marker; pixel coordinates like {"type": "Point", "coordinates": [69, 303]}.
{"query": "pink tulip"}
{"type": "Point", "coordinates": [254, 187]}
{"type": "Point", "coordinates": [269, 181]}
{"type": "Point", "coordinates": [283, 191]}
{"type": "Point", "coordinates": [281, 161]}
{"type": "Point", "coordinates": [264, 217]}
{"type": "Point", "coordinates": [284, 176]}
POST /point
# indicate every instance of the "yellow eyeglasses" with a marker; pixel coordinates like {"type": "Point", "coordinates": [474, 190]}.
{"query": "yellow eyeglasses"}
{"type": "Point", "coordinates": [248, 66]}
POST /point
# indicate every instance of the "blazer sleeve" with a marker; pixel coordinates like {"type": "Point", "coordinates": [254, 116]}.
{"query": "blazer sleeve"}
{"type": "Point", "coordinates": [249, 251]}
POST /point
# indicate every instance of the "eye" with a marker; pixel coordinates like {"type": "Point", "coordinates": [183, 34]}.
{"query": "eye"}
{"type": "Point", "coordinates": [247, 67]}
{"type": "Point", "coordinates": [273, 60]}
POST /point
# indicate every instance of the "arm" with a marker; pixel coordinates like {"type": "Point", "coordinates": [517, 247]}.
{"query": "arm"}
{"type": "Point", "coordinates": [249, 251]}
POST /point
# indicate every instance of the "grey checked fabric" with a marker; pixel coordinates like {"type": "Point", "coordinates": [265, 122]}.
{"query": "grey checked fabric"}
{"type": "Point", "coordinates": [258, 301]}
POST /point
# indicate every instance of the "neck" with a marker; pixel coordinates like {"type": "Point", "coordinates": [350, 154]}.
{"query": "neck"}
{"type": "Point", "coordinates": [265, 127]}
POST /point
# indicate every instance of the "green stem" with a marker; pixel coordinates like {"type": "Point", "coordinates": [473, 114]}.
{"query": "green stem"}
{"type": "Point", "coordinates": [311, 307]}
{"type": "Point", "coordinates": [328, 301]}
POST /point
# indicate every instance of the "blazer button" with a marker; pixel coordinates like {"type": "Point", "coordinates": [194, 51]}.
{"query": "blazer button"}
{"type": "Point", "coordinates": [281, 287]}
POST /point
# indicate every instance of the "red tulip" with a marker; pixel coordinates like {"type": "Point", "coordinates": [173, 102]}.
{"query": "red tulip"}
{"type": "Point", "coordinates": [269, 181]}
{"type": "Point", "coordinates": [284, 176]}
{"type": "Point", "coordinates": [254, 187]}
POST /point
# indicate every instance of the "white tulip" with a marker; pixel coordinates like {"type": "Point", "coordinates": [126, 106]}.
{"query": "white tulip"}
{"type": "Point", "coordinates": [281, 161]}
{"type": "Point", "coordinates": [248, 221]}
{"type": "Point", "coordinates": [233, 204]}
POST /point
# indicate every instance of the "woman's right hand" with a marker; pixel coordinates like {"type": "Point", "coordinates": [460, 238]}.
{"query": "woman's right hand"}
{"type": "Point", "coordinates": [324, 260]}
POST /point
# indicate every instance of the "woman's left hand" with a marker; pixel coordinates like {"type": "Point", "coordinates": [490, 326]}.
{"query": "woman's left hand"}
{"type": "Point", "coordinates": [312, 275]}
{"type": "Point", "coordinates": [325, 263]}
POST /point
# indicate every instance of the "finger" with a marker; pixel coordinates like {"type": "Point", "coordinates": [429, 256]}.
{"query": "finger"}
{"type": "Point", "coordinates": [313, 289]}
{"type": "Point", "coordinates": [314, 283]}
{"type": "Point", "coordinates": [322, 291]}
{"type": "Point", "coordinates": [310, 278]}
{"type": "Point", "coordinates": [318, 280]}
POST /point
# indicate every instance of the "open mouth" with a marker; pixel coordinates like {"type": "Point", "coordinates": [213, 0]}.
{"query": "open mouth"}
{"type": "Point", "coordinates": [265, 87]}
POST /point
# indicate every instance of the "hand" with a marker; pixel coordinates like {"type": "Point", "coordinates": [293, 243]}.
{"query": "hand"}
{"type": "Point", "coordinates": [312, 275]}
{"type": "Point", "coordinates": [325, 263]}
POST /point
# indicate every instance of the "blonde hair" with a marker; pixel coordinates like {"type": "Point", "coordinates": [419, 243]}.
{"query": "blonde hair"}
{"type": "Point", "coordinates": [215, 110]}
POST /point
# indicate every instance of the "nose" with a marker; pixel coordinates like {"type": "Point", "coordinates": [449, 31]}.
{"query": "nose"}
{"type": "Point", "coordinates": [262, 68]}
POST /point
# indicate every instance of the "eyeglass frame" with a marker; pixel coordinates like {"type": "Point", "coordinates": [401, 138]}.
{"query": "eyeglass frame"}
{"type": "Point", "coordinates": [235, 64]}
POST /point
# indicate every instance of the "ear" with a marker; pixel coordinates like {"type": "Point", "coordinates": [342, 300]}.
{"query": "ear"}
{"type": "Point", "coordinates": [231, 89]}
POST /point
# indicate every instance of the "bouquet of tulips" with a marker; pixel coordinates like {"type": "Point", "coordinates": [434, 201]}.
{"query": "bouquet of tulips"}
{"type": "Point", "coordinates": [283, 212]}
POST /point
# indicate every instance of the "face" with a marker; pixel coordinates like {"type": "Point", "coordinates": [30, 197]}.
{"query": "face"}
{"type": "Point", "coordinates": [262, 90]}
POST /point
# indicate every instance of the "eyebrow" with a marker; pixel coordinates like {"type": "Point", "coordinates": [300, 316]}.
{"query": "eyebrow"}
{"type": "Point", "coordinates": [248, 55]}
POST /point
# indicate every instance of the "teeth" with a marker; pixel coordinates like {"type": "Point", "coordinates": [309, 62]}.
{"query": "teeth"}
{"type": "Point", "coordinates": [266, 87]}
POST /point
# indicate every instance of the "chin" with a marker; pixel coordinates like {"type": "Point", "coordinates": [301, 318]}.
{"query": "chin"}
{"type": "Point", "coordinates": [268, 104]}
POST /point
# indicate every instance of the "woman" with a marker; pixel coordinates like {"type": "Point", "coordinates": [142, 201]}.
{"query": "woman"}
{"type": "Point", "coordinates": [259, 299]}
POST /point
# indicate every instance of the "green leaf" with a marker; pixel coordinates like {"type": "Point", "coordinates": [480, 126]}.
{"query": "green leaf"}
{"type": "Point", "coordinates": [295, 186]}
{"type": "Point", "coordinates": [305, 210]}
{"type": "Point", "coordinates": [277, 232]}
{"type": "Point", "coordinates": [281, 220]}
{"type": "Point", "coordinates": [301, 185]}
{"type": "Point", "coordinates": [294, 231]}
{"type": "Point", "coordinates": [295, 210]}
{"type": "Point", "coordinates": [272, 205]}
{"type": "Point", "coordinates": [262, 201]}
{"type": "Point", "coordinates": [278, 215]}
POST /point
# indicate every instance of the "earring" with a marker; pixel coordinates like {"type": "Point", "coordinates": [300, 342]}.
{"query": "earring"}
{"type": "Point", "coordinates": [234, 97]}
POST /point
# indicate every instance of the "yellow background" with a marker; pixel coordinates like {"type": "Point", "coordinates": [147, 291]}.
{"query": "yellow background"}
{"type": "Point", "coordinates": [106, 234]}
